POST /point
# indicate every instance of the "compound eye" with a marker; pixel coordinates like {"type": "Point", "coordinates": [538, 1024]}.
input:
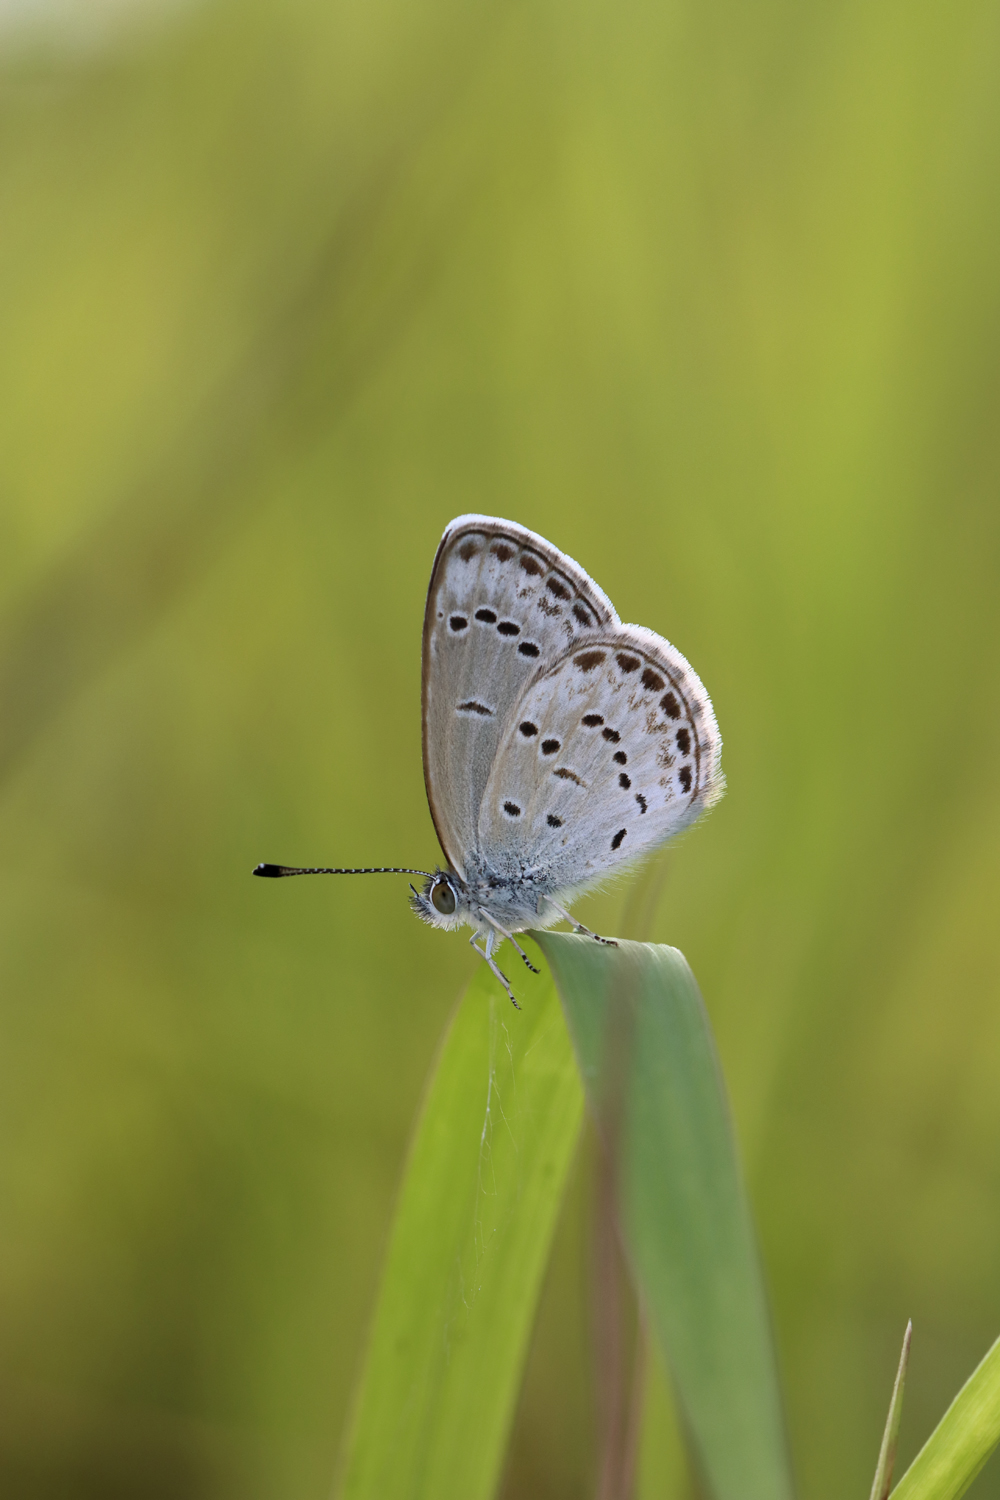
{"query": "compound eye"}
{"type": "Point", "coordinates": [443, 897]}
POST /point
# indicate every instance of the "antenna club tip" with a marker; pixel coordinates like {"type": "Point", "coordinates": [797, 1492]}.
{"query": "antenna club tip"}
{"type": "Point", "coordinates": [271, 871]}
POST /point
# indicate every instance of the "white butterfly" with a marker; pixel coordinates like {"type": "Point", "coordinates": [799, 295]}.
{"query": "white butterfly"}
{"type": "Point", "coordinates": [559, 744]}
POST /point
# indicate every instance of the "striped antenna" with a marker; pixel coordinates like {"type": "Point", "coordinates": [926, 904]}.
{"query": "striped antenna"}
{"type": "Point", "coordinates": [273, 872]}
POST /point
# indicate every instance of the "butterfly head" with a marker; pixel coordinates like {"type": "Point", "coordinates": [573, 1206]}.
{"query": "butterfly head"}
{"type": "Point", "coordinates": [443, 901]}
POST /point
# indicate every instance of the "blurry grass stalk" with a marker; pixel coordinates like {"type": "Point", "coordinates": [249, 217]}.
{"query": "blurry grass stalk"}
{"type": "Point", "coordinates": [477, 1208]}
{"type": "Point", "coordinates": [961, 1442]}
{"type": "Point", "coordinates": [620, 1380]}
{"type": "Point", "coordinates": [649, 1067]}
{"type": "Point", "coordinates": [485, 1177]}
{"type": "Point", "coordinates": [887, 1453]}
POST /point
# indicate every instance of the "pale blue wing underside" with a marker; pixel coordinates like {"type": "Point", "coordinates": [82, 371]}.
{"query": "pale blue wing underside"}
{"type": "Point", "coordinates": [607, 754]}
{"type": "Point", "coordinates": [502, 606]}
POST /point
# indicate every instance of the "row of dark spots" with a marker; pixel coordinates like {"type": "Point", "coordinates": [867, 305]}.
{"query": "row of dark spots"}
{"type": "Point", "coordinates": [594, 721]}
{"type": "Point", "coordinates": [503, 551]}
{"type": "Point", "coordinates": [559, 587]}
{"type": "Point", "coordinates": [529, 730]}
{"type": "Point", "coordinates": [549, 747]}
{"type": "Point", "coordinates": [586, 661]}
{"type": "Point", "coordinates": [534, 567]}
{"type": "Point", "coordinates": [513, 811]}
{"type": "Point", "coordinates": [561, 590]}
{"type": "Point", "coordinates": [555, 585]}
{"type": "Point", "coordinates": [670, 705]}
{"type": "Point", "coordinates": [459, 623]}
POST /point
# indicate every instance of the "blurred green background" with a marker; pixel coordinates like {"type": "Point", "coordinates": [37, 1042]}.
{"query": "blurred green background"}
{"type": "Point", "coordinates": [707, 294]}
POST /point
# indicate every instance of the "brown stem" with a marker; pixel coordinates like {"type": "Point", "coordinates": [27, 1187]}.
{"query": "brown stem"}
{"type": "Point", "coordinates": [609, 1333]}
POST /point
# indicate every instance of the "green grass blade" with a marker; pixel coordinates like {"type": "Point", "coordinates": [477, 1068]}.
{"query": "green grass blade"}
{"type": "Point", "coordinates": [961, 1442]}
{"type": "Point", "coordinates": [477, 1209]}
{"type": "Point", "coordinates": [662, 1469]}
{"type": "Point", "coordinates": [887, 1453]}
{"type": "Point", "coordinates": [684, 1208]}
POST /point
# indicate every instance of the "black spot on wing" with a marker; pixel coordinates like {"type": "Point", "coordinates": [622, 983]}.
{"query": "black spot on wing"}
{"type": "Point", "coordinates": [558, 587]}
{"type": "Point", "coordinates": [670, 706]}
{"type": "Point", "coordinates": [567, 775]}
{"type": "Point", "coordinates": [616, 842]}
{"type": "Point", "coordinates": [624, 782]}
{"type": "Point", "coordinates": [502, 552]}
{"type": "Point", "coordinates": [626, 662]}
{"type": "Point", "coordinates": [458, 622]}
{"type": "Point", "coordinates": [487, 616]}
{"type": "Point", "coordinates": [583, 615]}
{"type": "Point", "coordinates": [528, 729]}
{"type": "Point", "coordinates": [683, 742]}
{"type": "Point", "coordinates": [528, 648]}
{"type": "Point", "coordinates": [588, 660]}
{"type": "Point", "coordinates": [512, 810]}
{"type": "Point", "coordinates": [641, 801]}
{"type": "Point", "coordinates": [652, 680]}
{"type": "Point", "coordinates": [612, 735]}
{"type": "Point", "coordinates": [549, 747]}
{"type": "Point", "coordinates": [620, 757]}
{"type": "Point", "coordinates": [592, 720]}
{"type": "Point", "coordinates": [507, 627]}
{"type": "Point", "coordinates": [468, 550]}
{"type": "Point", "coordinates": [531, 564]}
{"type": "Point", "coordinates": [474, 707]}
{"type": "Point", "coordinates": [685, 778]}
{"type": "Point", "coordinates": [553, 821]}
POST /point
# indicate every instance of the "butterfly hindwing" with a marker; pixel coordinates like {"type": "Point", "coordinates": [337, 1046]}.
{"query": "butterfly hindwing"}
{"type": "Point", "coordinates": [503, 605]}
{"type": "Point", "coordinates": [610, 751]}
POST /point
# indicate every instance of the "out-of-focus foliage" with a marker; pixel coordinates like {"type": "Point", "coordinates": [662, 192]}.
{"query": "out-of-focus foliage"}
{"type": "Point", "coordinates": [708, 296]}
{"type": "Point", "coordinates": [471, 1235]}
{"type": "Point", "coordinates": [962, 1441]}
{"type": "Point", "coordinates": [653, 1082]}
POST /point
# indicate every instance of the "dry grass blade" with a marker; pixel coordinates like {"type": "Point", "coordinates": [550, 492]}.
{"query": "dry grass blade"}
{"type": "Point", "coordinates": [887, 1453]}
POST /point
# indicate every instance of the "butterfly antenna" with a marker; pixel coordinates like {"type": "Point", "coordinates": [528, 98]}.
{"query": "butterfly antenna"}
{"type": "Point", "coordinates": [273, 872]}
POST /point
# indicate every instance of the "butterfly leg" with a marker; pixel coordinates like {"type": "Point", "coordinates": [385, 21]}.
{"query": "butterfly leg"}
{"type": "Point", "coordinates": [511, 939]}
{"type": "Point", "coordinates": [578, 926]}
{"type": "Point", "coordinates": [487, 954]}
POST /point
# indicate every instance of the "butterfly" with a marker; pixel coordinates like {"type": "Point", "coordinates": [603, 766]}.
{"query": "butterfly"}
{"type": "Point", "coordinates": [559, 745]}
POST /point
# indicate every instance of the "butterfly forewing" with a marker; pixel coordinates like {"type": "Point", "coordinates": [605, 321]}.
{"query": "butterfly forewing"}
{"type": "Point", "coordinates": [502, 607]}
{"type": "Point", "coordinates": [611, 750]}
